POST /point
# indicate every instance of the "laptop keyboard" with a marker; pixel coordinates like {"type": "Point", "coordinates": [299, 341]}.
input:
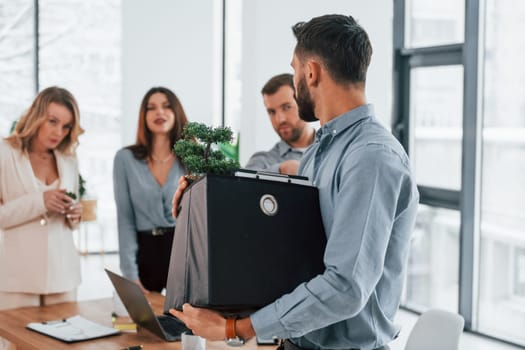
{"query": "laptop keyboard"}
{"type": "Point", "coordinates": [173, 326]}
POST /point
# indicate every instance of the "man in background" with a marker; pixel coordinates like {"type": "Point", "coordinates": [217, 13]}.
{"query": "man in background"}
{"type": "Point", "coordinates": [296, 135]}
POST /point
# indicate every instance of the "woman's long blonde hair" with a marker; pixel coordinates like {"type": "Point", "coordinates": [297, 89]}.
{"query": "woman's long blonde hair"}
{"type": "Point", "coordinates": [28, 125]}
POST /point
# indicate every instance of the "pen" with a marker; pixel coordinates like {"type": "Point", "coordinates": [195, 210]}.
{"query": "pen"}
{"type": "Point", "coordinates": [54, 322]}
{"type": "Point", "coordinates": [136, 347]}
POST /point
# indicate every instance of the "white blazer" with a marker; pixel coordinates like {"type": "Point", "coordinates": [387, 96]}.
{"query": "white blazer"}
{"type": "Point", "coordinates": [34, 258]}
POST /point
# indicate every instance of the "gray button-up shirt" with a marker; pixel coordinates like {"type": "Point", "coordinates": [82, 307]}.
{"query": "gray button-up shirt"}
{"type": "Point", "coordinates": [270, 160]}
{"type": "Point", "coordinates": [368, 203]}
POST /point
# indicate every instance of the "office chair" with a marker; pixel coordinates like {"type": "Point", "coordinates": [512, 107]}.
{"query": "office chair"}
{"type": "Point", "coordinates": [436, 330]}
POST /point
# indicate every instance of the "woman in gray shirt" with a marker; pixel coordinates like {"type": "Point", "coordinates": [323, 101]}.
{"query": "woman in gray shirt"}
{"type": "Point", "coordinates": [145, 178]}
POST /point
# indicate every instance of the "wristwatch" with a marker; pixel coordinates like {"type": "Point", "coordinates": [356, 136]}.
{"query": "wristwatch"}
{"type": "Point", "coordinates": [232, 339]}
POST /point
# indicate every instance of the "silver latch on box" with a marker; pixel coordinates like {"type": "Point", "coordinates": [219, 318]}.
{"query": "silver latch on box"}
{"type": "Point", "coordinates": [269, 205]}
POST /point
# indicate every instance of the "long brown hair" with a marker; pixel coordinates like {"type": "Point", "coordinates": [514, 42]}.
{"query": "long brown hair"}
{"type": "Point", "coordinates": [28, 125]}
{"type": "Point", "coordinates": [144, 142]}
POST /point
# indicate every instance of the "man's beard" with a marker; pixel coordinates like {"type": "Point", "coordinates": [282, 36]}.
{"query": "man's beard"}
{"type": "Point", "coordinates": [305, 103]}
{"type": "Point", "coordinates": [295, 135]}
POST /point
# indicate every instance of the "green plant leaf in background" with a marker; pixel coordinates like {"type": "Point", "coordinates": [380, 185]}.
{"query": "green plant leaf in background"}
{"type": "Point", "coordinates": [231, 150]}
{"type": "Point", "coordinates": [13, 126]}
{"type": "Point", "coordinates": [81, 186]}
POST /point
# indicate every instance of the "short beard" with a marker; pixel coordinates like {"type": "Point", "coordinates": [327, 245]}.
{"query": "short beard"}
{"type": "Point", "coordinates": [305, 103]}
{"type": "Point", "coordinates": [296, 135]}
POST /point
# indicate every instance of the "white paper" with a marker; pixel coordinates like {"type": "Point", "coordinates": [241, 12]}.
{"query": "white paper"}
{"type": "Point", "coordinates": [72, 329]}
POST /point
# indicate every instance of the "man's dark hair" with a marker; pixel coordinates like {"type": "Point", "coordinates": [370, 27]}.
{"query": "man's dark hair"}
{"type": "Point", "coordinates": [339, 42]}
{"type": "Point", "coordinates": [276, 82]}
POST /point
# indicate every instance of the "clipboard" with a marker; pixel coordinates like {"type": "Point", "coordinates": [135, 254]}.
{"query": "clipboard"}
{"type": "Point", "coordinates": [73, 329]}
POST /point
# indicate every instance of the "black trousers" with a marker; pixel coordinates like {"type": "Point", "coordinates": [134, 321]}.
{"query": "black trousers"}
{"type": "Point", "coordinates": [288, 345]}
{"type": "Point", "coordinates": [153, 259]}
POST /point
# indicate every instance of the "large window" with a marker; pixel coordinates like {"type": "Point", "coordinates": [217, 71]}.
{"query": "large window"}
{"type": "Point", "coordinates": [428, 120]}
{"type": "Point", "coordinates": [501, 306]}
{"type": "Point", "coordinates": [432, 279]}
{"type": "Point", "coordinates": [436, 109]}
{"type": "Point", "coordinates": [233, 64]}
{"type": "Point", "coordinates": [431, 23]}
{"type": "Point", "coordinates": [78, 49]}
{"type": "Point", "coordinates": [460, 112]}
{"type": "Point", "coordinates": [17, 60]}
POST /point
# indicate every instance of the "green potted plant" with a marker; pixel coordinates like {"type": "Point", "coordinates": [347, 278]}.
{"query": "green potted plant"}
{"type": "Point", "coordinates": [199, 150]}
{"type": "Point", "coordinates": [229, 223]}
{"type": "Point", "coordinates": [89, 205]}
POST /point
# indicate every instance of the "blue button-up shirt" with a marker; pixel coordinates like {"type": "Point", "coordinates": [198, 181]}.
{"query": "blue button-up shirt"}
{"type": "Point", "coordinates": [142, 204]}
{"type": "Point", "coordinates": [368, 203]}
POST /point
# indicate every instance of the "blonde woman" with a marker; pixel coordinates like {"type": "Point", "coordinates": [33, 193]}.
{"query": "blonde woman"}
{"type": "Point", "coordinates": [39, 264]}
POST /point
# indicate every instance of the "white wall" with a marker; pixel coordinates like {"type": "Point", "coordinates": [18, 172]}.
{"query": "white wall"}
{"type": "Point", "coordinates": [267, 48]}
{"type": "Point", "coordinates": [175, 44]}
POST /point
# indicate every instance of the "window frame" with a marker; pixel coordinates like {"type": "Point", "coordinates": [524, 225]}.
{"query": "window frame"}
{"type": "Point", "coordinates": [466, 200]}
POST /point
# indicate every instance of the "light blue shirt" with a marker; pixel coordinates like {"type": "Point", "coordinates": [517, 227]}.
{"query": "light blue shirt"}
{"type": "Point", "coordinates": [368, 201]}
{"type": "Point", "coordinates": [272, 159]}
{"type": "Point", "coordinates": [142, 204]}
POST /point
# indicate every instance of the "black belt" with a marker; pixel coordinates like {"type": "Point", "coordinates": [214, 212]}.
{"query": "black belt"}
{"type": "Point", "coordinates": [288, 345]}
{"type": "Point", "coordinates": [158, 231]}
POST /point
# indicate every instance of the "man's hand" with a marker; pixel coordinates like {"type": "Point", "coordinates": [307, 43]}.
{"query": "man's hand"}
{"type": "Point", "coordinates": [289, 167]}
{"type": "Point", "coordinates": [202, 322]}
{"type": "Point", "coordinates": [177, 196]}
{"type": "Point", "coordinates": [210, 324]}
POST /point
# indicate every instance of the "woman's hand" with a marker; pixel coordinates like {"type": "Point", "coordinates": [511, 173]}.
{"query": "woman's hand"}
{"type": "Point", "coordinates": [56, 201]}
{"type": "Point", "coordinates": [74, 213]}
{"type": "Point", "coordinates": [144, 290]}
{"type": "Point", "coordinates": [177, 196]}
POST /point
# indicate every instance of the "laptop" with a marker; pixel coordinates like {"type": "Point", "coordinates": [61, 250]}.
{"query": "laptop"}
{"type": "Point", "coordinates": [167, 327]}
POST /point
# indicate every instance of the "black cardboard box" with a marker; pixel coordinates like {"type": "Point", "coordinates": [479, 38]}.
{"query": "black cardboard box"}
{"type": "Point", "coordinates": [240, 243]}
